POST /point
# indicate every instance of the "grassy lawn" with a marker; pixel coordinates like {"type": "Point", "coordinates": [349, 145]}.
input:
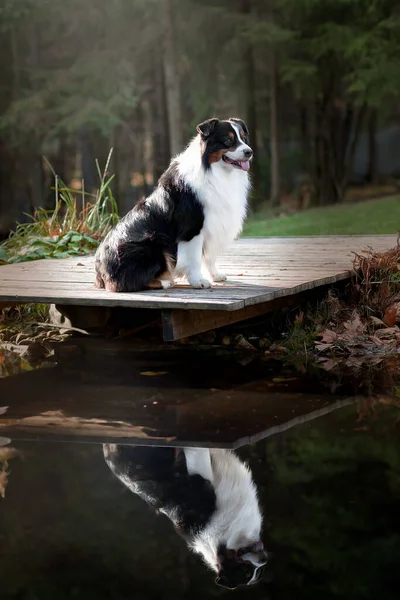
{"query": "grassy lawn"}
{"type": "Point", "coordinates": [371, 216]}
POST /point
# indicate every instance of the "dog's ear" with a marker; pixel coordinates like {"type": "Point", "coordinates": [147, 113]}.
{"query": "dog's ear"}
{"type": "Point", "coordinates": [207, 127]}
{"type": "Point", "coordinates": [241, 123]}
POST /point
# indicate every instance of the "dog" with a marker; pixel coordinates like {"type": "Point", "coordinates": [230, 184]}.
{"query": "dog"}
{"type": "Point", "coordinates": [211, 499]}
{"type": "Point", "coordinates": [195, 212]}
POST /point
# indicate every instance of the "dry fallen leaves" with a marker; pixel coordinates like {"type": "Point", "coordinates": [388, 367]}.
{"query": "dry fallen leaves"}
{"type": "Point", "coordinates": [242, 343]}
{"type": "Point", "coordinates": [352, 345]}
{"type": "Point", "coordinates": [4, 472]}
{"type": "Point", "coordinates": [6, 454]}
{"type": "Point", "coordinates": [390, 316]}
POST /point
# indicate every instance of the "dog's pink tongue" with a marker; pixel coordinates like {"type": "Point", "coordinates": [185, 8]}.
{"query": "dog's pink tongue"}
{"type": "Point", "coordinates": [245, 164]}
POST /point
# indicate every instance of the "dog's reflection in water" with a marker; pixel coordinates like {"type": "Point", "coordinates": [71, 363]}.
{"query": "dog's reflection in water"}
{"type": "Point", "coordinates": [210, 497]}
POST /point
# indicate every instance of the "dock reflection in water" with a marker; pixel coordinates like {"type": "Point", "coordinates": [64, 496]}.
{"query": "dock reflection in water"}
{"type": "Point", "coordinates": [326, 469]}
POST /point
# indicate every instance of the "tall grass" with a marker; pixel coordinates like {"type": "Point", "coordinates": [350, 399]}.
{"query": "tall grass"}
{"type": "Point", "coordinates": [65, 230]}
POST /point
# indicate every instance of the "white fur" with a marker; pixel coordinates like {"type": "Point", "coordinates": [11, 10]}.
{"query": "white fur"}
{"type": "Point", "coordinates": [198, 462]}
{"type": "Point", "coordinates": [223, 191]}
{"type": "Point", "coordinates": [189, 263]}
{"type": "Point", "coordinates": [237, 520]}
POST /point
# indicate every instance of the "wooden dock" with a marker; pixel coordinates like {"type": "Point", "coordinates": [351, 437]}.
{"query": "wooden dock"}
{"type": "Point", "coordinates": [263, 274]}
{"type": "Point", "coordinates": [100, 393]}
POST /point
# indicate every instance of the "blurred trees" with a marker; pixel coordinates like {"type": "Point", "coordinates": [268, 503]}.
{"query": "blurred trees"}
{"type": "Point", "coordinates": [309, 76]}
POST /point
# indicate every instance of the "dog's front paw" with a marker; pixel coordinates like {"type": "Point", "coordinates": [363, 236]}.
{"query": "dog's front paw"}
{"type": "Point", "coordinates": [166, 284]}
{"type": "Point", "coordinates": [218, 277]}
{"type": "Point", "coordinates": [199, 282]}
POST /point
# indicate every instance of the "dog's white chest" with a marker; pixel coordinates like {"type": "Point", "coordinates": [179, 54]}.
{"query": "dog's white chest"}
{"type": "Point", "coordinates": [224, 197]}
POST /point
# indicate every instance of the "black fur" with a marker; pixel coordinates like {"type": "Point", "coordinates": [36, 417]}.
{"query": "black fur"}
{"type": "Point", "coordinates": [160, 477]}
{"type": "Point", "coordinates": [144, 244]}
{"type": "Point", "coordinates": [134, 252]}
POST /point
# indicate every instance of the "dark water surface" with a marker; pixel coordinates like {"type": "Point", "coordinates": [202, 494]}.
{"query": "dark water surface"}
{"type": "Point", "coordinates": [323, 448]}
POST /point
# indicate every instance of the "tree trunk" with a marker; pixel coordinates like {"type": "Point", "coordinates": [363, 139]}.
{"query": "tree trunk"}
{"type": "Point", "coordinates": [35, 160]}
{"type": "Point", "coordinates": [251, 104]}
{"type": "Point", "coordinates": [252, 118]}
{"type": "Point", "coordinates": [304, 136]}
{"type": "Point", "coordinates": [372, 168]}
{"type": "Point", "coordinates": [172, 81]}
{"type": "Point", "coordinates": [160, 131]}
{"type": "Point", "coordinates": [274, 132]}
{"type": "Point", "coordinates": [325, 179]}
{"type": "Point", "coordinates": [337, 134]}
{"type": "Point", "coordinates": [358, 120]}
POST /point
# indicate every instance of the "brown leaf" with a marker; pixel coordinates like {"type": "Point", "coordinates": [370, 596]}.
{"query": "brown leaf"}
{"type": "Point", "coordinates": [279, 348]}
{"type": "Point", "coordinates": [375, 340]}
{"type": "Point", "coordinates": [328, 336]}
{"type": "Point", "coordinates": [354, 326]}
{"type": "Point", "coordinates": [153, 373]}
{"type": "Point", "coordinates": [376, 322]}
{"type": "Point", "coordinates": [330, 364]}
{"type": "Point", "coordinates": [241, 342]}
{"type": "Point", "coordinates": [299, 318]}
{"type": "Point", "coordinates": [354, 362]}
{"type": "Point", "coordinates": [3, 478]}
{"type": "Point", "coordinates": [387, 333]}
{"type": "Point", "coordinates": [390, 316]}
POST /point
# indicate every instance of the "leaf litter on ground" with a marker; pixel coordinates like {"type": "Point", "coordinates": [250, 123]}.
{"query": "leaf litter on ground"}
{"type": "Point", "coordinates": [366, 328]}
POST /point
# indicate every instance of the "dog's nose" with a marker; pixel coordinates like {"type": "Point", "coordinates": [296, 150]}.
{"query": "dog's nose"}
{"type": "Point", "coordinates": [248, 153]}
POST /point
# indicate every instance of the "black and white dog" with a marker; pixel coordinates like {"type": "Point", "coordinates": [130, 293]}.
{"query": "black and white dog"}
{"type": "Point", "coordinates": [196, 211]}
{"type": "Point", "coordinates": [210, 497]}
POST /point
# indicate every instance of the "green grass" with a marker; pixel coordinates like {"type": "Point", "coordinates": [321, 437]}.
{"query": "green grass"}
{"type": "Point", "coordinates": [371, 216]}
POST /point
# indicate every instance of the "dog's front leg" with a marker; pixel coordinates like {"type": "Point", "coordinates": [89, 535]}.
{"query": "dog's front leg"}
{"type": "Point", "coordinates": [190, 255]}
{"type": "Point", "coordinates": [209, 260]}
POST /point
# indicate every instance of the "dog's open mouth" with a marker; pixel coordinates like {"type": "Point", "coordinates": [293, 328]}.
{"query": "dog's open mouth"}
{"type": "Point", "coordinates": [239, 164]}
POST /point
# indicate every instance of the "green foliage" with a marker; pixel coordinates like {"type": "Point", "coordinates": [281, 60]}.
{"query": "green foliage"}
{"type": "Point", "coordinates": [301, 339]}
{"type": "Point", "coordinates": [65, 231]}
{"type": "Point", "coordinates": [95, 70]}
{"type": "Point", "coordinates": [83, 73]}
{"type": "Point", "coordinates": [356, 42]}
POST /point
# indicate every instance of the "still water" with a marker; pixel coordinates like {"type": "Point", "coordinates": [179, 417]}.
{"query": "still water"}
{"type": "Point", "coordinates": [324, 455]}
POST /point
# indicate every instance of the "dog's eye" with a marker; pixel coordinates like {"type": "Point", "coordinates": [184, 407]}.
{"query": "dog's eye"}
{"type": "Point", "coordinates": [229, 142]}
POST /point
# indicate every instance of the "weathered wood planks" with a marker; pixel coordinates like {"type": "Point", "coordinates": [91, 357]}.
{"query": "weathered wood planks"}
{"type": "Point", "coordinates": [259, 270]}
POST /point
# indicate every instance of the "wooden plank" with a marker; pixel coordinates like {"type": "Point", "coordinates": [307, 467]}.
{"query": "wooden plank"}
{"type": "Point", "coordinates": [259, 270]}
{"type": "Point", "coordinates": [178, 324]}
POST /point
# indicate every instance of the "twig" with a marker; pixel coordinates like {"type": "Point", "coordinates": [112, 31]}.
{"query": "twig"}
{"type": "Point", "coordinates": [52, 326]}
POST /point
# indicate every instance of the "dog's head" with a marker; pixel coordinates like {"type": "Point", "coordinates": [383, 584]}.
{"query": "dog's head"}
{"type": "Point", "coordinates": [225, 142]}
{"type": "Point", "coordinates": [240, 567]}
